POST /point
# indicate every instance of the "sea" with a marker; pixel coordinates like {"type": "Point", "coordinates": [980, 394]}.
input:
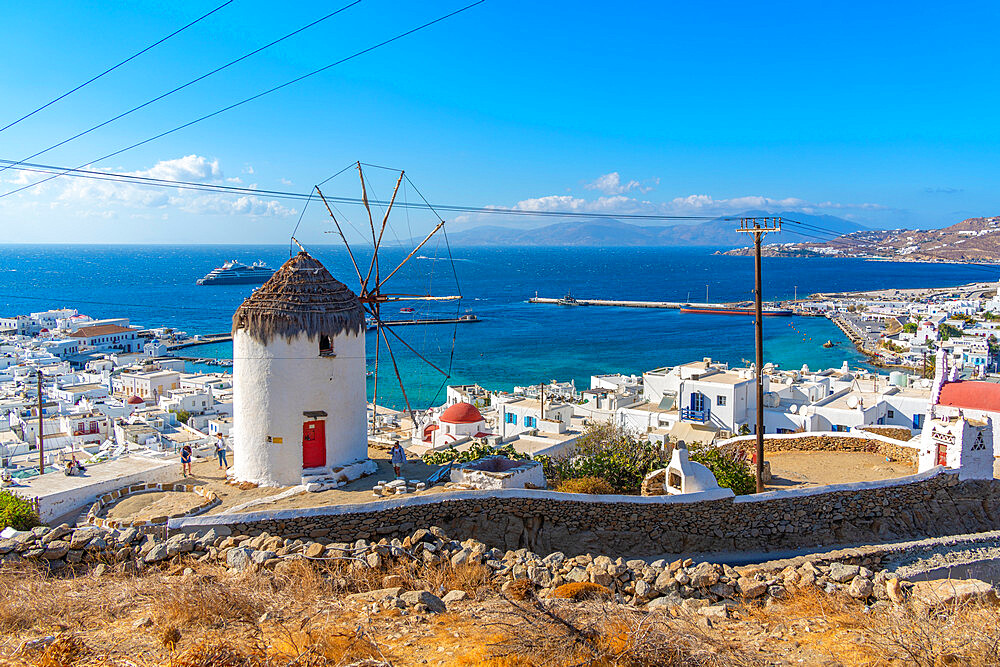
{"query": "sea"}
{"type": "Point", "coordinates": [513, 342]}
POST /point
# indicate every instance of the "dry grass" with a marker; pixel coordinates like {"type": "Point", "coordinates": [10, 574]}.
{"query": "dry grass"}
{"type": "Point", "coordinates": [582, 591]}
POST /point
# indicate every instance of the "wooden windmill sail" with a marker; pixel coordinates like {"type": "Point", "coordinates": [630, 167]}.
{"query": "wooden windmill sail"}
{"type": "Point", "coordinates": [375, 284]}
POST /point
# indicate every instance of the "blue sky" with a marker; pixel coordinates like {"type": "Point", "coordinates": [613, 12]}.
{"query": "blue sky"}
{"type": "Point", "coordinates": [884, 113]}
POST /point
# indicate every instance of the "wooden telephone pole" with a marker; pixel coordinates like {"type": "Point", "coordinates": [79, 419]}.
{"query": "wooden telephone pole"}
{"type": "Point", "coordinates": [758, 227]}
{"type": "Point", "coordinates": [41, 429]}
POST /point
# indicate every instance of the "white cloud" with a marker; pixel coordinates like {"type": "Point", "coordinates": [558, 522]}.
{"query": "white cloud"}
{"type": "Point", "coordinates": [90, 197]}
{"type": "Point", "coordinates": [692, 205]}
{"type": "Point", "coordinates": [611, 184]}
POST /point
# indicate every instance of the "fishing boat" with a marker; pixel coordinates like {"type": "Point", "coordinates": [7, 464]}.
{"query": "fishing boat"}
{"type": "Point", "coordinates": [735, 310]}
{"type": "Point", "coordinates": [828, 344]}
{"type": "Point", "coordinates": [407, 310]}
{"type": "Point", "coordinates": [569, 300]}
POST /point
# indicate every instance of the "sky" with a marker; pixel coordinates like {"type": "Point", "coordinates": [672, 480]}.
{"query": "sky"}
{"type": "Point", "coordinates": [881, 113]}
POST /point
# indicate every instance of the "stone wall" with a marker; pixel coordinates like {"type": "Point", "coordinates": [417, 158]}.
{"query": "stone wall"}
{"type": "Point", "coordinates": [928, 504]}
{"type": "Point", "coordinates": [831, 443]}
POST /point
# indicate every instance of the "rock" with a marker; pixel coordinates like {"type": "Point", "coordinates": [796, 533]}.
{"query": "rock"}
{"type": "Point", "coordinates": [393, 581]}
{"type": "Point", "coordinates": [82, 537]}
{"type": "Point", "coordinates": [540, 576]}
{"type": "Point", "coordinates": [74, 556]}
{"type": "Point", "coordinates": [426, 598]}
{"type": "Point", "coordinates": [460, 558]}
{"type": "Point", "coordinates": [894, 591]}
{"type": "Point", "coordinates": [704, 575]}
{"type": "Point", "coordinates": [643, 590]}
{"type": "Point", "coordinates": [715, 611]}
{"type": "Point", "coordinates": [99, 570]}
{"type": "Point", "coordinates": [723, 590]}
{"type": "Point", "coordinates": [665, 602]}
{"type": "Point", "coordinates": [7, 545]}
{"type": "Point", "coordinates": [374, 560]}
{"type": "Point", "coordinates": [694, 604]}
{"type": "Point", "coordinates": [57, 533]}
{"type": "Point", "coordinates": [843, 573]}
{"type": "Point", "coordinates": [56, 549]}
{"type": "Point", "coordinates": [156, 554]}
{"type": "Point", "coordinates": [861, 588]}
{"type": "Point", "coordinates": [750, 588]}
{"type": "Point", "coordinates": [127, 536]}
{"type": "Point", "coordinates": [454, 596]}
{"type": "Point", "coordinates": [314, 550]}
{"type": "Point", "coordinates": [577, 574]}
{"type": "Point", "coordinates": [601, 577]}
{"type": "Point", "coordinates": [665, 582]}
{"type": "Point", "coordinates": [949, 592]}
{"type": "Point", "coordinates": [239, 558]}
{"type": "Point", "coordinates": [261, 557]}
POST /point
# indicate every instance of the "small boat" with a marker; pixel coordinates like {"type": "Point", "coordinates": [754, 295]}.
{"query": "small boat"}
{"type": "Point", "coordinates": [828, 343]}
{"type": "Point", "coordinates": [407, 310]}
{"type": "Point", "coordinates": [569, 300]}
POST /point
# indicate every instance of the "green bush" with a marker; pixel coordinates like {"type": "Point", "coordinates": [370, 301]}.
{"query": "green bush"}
{"type": "Point", "coordinates": [476, 451]}
{"type": "Point", "coordinates": [610, 452]}
{"type": "Point", "coordinates": [585, 485]}
{"type": "Point", "coordinates": [729, 472]}
{"type": "Point", "coordinates": [16, 512]}
{"type": "Point", "coordinates": [182, 415]}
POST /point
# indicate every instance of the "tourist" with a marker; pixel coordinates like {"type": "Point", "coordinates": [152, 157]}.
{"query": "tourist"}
{"type": "Point", "coordinates": [220, 451]}
{"type": "Point", "coordinates": [186, 460]}
{"type": "Point", "coordinates": [398, 458]}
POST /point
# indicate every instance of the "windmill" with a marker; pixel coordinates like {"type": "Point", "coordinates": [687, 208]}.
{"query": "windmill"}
{"type": "Point", "coordinates": [375, 282]}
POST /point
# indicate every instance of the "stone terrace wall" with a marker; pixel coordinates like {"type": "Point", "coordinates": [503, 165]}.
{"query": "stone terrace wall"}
{"type": "Point", "coordinates": [928, 504]}
{"type": "Point", "coordinates": [808, 442]}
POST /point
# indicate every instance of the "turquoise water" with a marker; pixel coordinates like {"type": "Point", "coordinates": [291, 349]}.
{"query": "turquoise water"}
{"type": "Point", "coordinates": [515, 343]}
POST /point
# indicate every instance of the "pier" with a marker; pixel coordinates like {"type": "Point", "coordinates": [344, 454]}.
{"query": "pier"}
{"type": "Point", "coordinates": [206, 339]}
{"type": "Point", "coordinates": [427, 320]}
{"type": "Point", "coordinates": [675, 305]}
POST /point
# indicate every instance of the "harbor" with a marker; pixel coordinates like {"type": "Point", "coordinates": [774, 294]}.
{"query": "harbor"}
{"type": "Point", "coordinates": [682, 306]}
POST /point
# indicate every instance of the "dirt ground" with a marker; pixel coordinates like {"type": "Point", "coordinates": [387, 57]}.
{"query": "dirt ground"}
{"type": "Point", "coordinates": [207, 472]}
{"type": "Point", "coordinates": [146, 506]}
{"type": "Point", "coordinates": [790, 469]}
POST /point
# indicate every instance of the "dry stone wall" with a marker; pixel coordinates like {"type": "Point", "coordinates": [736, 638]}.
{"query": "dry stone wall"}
{"type": "Point", "coordinates": [920, 506]}
{"type": "Point", "coordinates": [832, 443]}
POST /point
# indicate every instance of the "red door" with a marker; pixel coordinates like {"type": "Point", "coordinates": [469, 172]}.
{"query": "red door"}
{"type": "Point", "coordinates": [314, 444]}
{"type": "Point", "coordinates": [942, 455]}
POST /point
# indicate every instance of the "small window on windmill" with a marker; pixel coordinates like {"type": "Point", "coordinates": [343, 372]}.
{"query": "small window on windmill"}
{"type": "Point", "coordinates": [325, 346]}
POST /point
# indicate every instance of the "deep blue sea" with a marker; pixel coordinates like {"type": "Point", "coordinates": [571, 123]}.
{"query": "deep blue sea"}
{"type": "Point", "coordinates": [515, 343]}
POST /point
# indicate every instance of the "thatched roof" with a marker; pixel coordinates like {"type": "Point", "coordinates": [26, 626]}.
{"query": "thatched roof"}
{"type": "Point", "coordinates": [301, 297]}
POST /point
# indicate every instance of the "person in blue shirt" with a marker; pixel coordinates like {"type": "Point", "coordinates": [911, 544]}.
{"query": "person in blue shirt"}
{"type": "Point", "coordinates": [398, 458]}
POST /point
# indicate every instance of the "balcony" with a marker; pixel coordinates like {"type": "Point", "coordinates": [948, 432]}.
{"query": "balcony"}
{"type": "Point", "coordinates": [692, 415]}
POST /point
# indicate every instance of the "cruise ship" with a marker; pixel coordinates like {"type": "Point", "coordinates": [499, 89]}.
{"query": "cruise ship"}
{"type": "Point", "coordinates": [236, 273]}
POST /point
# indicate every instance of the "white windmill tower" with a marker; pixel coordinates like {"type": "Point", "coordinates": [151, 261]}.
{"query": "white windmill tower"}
{"type": "Point", "coordinates": [299, 380]}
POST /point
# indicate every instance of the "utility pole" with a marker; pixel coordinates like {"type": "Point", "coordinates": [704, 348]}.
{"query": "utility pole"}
{"type": "Point", "coordinates": [41, 428]}
{"type": "Point", "coordinates": [758, 227]}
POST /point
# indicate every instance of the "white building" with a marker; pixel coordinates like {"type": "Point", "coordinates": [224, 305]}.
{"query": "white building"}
{"type": "Point", "coordinates": [960, 444]}
{"type": "Point", "coordinates": [458, 424]}
{"type": "Point", "coordinates": [108, 337]}
{"type": "Point", "coordinates": [299, 379]}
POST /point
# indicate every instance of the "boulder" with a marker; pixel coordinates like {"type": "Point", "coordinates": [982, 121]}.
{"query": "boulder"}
{"type": "Point", "coordinates": [843, 573]}
{"type": "Point", "coordinates": [314, 550]}
{"type": "Point", "coordinates": [239, 558]}
{"type": "Point", "coordinates": [377, 594]}
{"type": "Point", "coordinates": [861, 588]}
{"type": "Point", "coordinates": [750, 588]}
{"type": "Point", "coordinates": [665, 582]}
{"type": "Point", "coordinates": [57, 533]}
{"type": "Point", "coordinates": [426, 598]}
{"type": "Point", "coordinates": [704, 575]}
{"type": "Point", "coordinates": [894, 591]}
{"type": "Point", "coordinates": [56, 549]}
{"type": "Point", "coordinates": [262, 556]}
{"type": "Point", "coordinates": [156, 554]}
{"type": "Point", "coordinates": [454, 596]}
{"type": "Point", "coordinates": [949, 592]}
{"type": "Point", "coordinates": [577, 574]}
{"type": "Point", "coordinates": [82, 537]}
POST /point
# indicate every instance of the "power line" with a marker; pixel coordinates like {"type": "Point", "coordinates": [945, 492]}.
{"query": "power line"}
{"type": "Point", "coordinates": [184, 85]}
{"type": "Point", "coordinates": [114, 67]}
{"type": "Point", "coordinates": [263, 93]}
{"type": "Point", "coordinates": [304, 196]}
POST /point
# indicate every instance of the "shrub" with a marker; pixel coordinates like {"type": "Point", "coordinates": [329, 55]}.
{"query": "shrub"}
{"type": "Point", "coordinates": [182, 415]}
{"type": "Point", "coordinates": [585, 485]}
{"type": "Point", "coordinates": [729, 472]}
{"type": "Point", "coordinates": [610, 452]}
{"type": "Point", "coordinates": [16, 512]}
{"type": "Point", "coordinates": [521, 589]}
{"type": "Point", "coordinates": [476, 451]}
{"type": "Point", "coordinates": [581, 590]}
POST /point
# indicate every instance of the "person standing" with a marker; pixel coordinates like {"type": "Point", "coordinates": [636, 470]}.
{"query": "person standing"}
{"type": "Point", "coordinates": [186, 460]}
{"type": "Point", "coordinates": [398, 458]}
{"type": "Point", "coordinates": [220, 451]}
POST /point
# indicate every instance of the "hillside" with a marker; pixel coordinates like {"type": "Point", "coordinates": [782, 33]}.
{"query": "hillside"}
{"type": "Point", "coordinates": [972, 240]}
{"type": "Point", "coordinates": [598, 232]}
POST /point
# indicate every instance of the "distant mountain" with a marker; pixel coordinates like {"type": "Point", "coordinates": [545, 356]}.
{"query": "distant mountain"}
{"type": "Point", "coordinates": [972, 240]}
{"type": "Point", "coordinates": [720, 232]}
